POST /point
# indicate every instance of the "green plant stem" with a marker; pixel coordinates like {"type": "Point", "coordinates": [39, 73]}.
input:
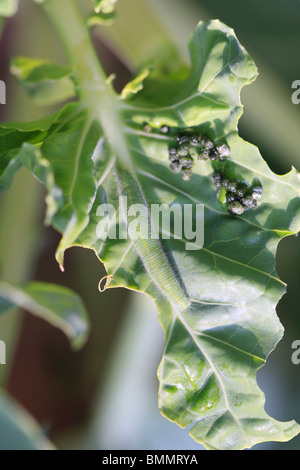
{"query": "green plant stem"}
{"type": "Point", "coordinates": [96, 93]}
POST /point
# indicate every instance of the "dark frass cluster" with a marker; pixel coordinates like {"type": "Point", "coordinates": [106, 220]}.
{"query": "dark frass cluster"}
{"type": "Point", "coordinates": [239, 195]}
{"type": "Point", "coordinates": [189, 146]}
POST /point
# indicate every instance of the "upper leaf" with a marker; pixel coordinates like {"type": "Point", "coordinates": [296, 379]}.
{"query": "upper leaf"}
{"type": "Point", "coordinates": [217, 304]}
{"type": "Point", "coordinates": [45, 82]}
{"type": "Point", "coordinates": [17, 139]}
{"type": "Point", "coordinates": [104, 13]}
{"type": "Point", "coordinates": [136, 84]}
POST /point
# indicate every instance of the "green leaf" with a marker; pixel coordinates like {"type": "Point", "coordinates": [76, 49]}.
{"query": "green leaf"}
{"type": "Point", "coordinates": [45, 82]}
{"type": "Point", "coordinates": [9, 165]}
{"type": "Point", "coordinates": [17, 140]}
{"type": "Point", "coordinates": [8, 7]}
{"type": "Point", "coordinates": [213, 348]}
{"type": "Point", "coordinates": [59, 306]}
{"type": "Point", "coordinates": [18, 430]}
{"type": "Point", "coordinates": [216, 303]}
{"type": "Point", "coordinates": [104, 13]}
{"type": "Point", "coordinates": [136, 84]}
{"type": "Point", "coordinates": [63, 163]}
{"type": "Point", "coordinates": [75, 176]}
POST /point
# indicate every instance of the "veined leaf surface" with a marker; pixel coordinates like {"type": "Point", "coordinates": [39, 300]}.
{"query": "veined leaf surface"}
{"type": "Point", "coordinates": [217, 339]}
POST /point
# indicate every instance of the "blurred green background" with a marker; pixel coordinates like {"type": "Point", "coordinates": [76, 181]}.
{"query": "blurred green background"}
{"type": "Point", "coordinates": [105, 396]}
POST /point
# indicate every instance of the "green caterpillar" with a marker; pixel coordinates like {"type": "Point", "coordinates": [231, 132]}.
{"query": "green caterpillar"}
{"type": "Point", "coordinates": [149, 248]}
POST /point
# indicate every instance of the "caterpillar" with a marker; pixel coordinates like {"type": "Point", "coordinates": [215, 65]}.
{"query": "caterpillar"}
{"type": "Point", "coordinates": [149, 248]}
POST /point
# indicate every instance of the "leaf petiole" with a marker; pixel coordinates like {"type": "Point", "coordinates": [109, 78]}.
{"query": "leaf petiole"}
{"type": "Point", "coordinates": [95, 91]}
